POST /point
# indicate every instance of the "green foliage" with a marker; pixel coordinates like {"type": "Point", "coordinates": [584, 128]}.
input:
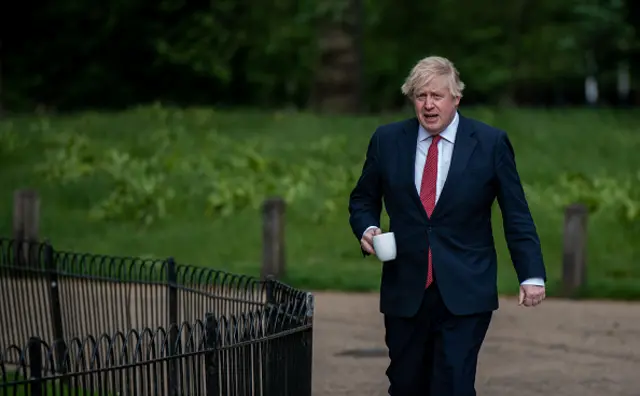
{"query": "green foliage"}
{"type": "Point", "coordinates": [139, 192]}
{"type": "Point", "coordinates": [600, 194]}
{"type": "Point", "coordinates": [604, 21]}
{"type": "Point", "coordinates": [69, 159]}
{"type": "Point", "coordinates": [266, 53]}
{"type": "Point", "coordinates": [137, 188]}
{"type": "Point", "coordinates": [210, 40]}
{"type": "Point", "coordinates": [242, 177]}
{"type": "Point", "coordinates": [234, 176]}
{"type": "Point", "coordinates": [158, 182]}
{"type": "Point", "coordinates": [10, 140]}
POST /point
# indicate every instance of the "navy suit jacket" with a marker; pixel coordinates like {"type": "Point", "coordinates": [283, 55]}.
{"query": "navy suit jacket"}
{"type": "Point", "coordinates": [459, 231]}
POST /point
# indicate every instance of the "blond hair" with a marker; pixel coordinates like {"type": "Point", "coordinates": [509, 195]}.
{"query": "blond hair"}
{"type": "Point", "coordinates": [428, 68]}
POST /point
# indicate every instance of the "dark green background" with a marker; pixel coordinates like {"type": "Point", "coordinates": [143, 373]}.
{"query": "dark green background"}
{"type": "Point", "coordinates": [70, 54]}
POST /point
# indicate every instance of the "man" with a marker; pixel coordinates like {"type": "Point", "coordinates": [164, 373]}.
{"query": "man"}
{"type": "Point", "coordinates": [439, 174]}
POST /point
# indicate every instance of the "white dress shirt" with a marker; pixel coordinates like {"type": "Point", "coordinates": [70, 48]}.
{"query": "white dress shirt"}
{"type": "Point", "coordinates": [445, 151]}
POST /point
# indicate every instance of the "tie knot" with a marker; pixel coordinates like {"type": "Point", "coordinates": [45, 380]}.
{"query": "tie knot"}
{"type": "Point", "coordinates": [436, 139]}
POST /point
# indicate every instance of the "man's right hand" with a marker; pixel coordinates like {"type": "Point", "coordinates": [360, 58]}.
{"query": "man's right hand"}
{"type": "Point", "coordinates": [367, 240]}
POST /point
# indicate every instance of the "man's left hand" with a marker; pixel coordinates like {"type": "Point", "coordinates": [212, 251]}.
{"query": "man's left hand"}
{"type": "Point", "coordinates": [531, 295]}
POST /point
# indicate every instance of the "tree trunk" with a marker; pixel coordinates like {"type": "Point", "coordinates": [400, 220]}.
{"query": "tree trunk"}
{"type": "Point", "coordinates": [1, 106]}
{"type": "Point", "coordinates": [517, 26]}
{"type": "Point", "coordinates": [338, 81]}
{"type": "Point", "coordinates": [633, 18]}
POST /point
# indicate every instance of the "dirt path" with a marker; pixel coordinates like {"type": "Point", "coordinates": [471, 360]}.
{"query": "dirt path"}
{"type": "Point", "coordinates": [560, 348]}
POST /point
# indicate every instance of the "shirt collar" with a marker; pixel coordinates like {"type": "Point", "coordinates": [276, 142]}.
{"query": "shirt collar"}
{"type": "Point", "coordinates": [449, 133]}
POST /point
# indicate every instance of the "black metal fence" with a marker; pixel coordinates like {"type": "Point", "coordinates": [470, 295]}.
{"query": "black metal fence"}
{"type": "Point", "coordinates": [86, 324]}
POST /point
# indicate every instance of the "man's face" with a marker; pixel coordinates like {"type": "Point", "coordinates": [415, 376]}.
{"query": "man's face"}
{"type": "Point", "coordinates": [435, 106]}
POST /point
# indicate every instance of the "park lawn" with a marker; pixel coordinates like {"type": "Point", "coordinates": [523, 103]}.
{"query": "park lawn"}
{"type": "Point", "coordinates": [49, 389]}
{"type": "Point", "coordinates": [24, 390]}
{"type": "Point", "coordinates": [207, 159]}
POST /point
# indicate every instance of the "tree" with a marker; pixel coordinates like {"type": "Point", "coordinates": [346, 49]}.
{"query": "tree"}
{"type": "Point", "coordinates": [338, 80]}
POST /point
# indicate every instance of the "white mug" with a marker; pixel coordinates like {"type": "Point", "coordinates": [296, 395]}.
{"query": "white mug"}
{"type": "Point", "coordinates": [385, 246]}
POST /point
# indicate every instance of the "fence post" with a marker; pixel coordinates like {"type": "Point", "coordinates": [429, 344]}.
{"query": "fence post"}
{"type": "Point", "coordinates": [172, 306]}
{"type": "Point", "coordinates": [273, 255]}
{"type": "Point", "coordinates": [574, 260]}
{"type": "Point", "coordinates": [55, 308]}
{"type": "Point", "coordinates": [272, 350]}
{"type": "Point", "coordinates": [211, 356]}
{"type": "Point", "coordinates": [269, 346]}
{"type": "Point", "coordinates": [26, 224]}
{"type": "Point", "coordinates": [270, 290]}
{"type": "Point", "coordinates": [35, 366]}
{"type": "Point", "coordinates": [308, 344]}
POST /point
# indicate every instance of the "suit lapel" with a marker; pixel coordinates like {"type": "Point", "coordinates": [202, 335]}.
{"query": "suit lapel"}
{"type": "Point", "coordinates": [408, 144]}
{"type": "Point", "coordinates": [463, 147]}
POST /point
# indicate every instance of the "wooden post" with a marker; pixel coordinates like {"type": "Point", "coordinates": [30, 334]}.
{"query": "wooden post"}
{"type": "Point", "coordinates": [574, 260]}
{"type": "Point", "coordinates": [26, 215]}
{"type": "Point", "coordinates": [273, 257]}
{"type": "Point", "coordinates": [26, 224]}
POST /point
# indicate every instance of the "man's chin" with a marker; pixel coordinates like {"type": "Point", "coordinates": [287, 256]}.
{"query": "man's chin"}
{"type": "Point", "coordinates": [432, 127]}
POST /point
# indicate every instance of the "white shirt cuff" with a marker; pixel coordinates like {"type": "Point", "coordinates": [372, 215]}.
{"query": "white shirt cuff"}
{"type": "Point", "coordinates": [368, 228]}
{"type": "Point", "coordinates": [533, 281]}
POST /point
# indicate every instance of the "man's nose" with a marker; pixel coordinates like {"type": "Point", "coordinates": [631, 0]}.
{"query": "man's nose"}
{"type": "Point", "coordinates": [428, 104]}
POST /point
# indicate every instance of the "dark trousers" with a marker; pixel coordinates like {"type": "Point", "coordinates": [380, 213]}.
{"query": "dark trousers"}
{"type": "Point", "coordinates": [434, 353]}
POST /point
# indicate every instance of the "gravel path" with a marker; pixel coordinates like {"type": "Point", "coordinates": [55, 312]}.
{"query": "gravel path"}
{"type": "Point", "coordinates": [559, 348]}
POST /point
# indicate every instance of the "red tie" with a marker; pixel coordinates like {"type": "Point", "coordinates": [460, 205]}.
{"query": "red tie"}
{"type": "Point", "coordinates": [428, 190]}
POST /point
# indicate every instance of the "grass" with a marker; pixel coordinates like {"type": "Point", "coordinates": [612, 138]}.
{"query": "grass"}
{"type": "Point", "coordinates": [49, 389]}
{"type": "Point", "coordinates": [197, 176]}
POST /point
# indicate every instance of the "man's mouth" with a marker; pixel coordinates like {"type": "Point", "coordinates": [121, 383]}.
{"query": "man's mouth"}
{"type": "Point", "coordinates": [430, 116]}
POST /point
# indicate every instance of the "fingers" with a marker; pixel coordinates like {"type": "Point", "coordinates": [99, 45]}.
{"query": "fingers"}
{"type": "Point", "coordinates": [521, 297]}
{"type": "Point", "coordinates": [366, 246]}
{"type": "Point", "coordinates": [532, 302]}
{"type": "Point", "coordinates": [530, 297]}
{"type": "Point", "coordinates": [367, 240]}
{"type": "Point", "coordinates": [368, 236]}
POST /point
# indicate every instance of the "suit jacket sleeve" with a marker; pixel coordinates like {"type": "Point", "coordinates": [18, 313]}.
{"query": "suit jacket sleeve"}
{"type": "Point", "coordinates": [520, 231]}
{"type": "Point", "coordinates": [365, 201]}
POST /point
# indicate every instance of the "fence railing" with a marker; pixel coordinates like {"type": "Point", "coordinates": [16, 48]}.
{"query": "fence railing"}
{"type": "Point", "coordinates": [92, 324]}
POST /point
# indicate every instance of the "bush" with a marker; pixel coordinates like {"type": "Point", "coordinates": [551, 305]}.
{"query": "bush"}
{"type": "Point", "coordinates": [601, 194]}
{"type": "Point", "coordinates": [235, 176]}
